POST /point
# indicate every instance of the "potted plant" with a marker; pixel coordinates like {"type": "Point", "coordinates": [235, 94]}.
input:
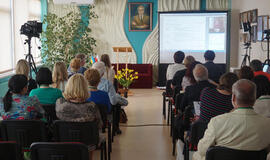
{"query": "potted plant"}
{"type": "Point", "coordinates": [125, 78]}
{"type": "Point", "coordinates": [66, 36]}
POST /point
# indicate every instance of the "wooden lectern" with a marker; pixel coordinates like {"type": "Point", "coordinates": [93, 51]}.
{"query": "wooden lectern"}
{"type": "Point", "coordinates": [118, 50]}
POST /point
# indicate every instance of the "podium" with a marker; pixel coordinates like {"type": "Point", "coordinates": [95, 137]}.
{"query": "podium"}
{"type": "Point", "coordinates": [118, 50]}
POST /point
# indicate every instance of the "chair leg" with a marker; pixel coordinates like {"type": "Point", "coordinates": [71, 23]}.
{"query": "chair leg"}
{"type": "Point", "coordinates": [105, 150]}
{"type": "Point", "coordinates": [169, 109]}
{"type": "Point", "coordinates": [172, 121]}
{"type": "Point", "coordinates": [164, 105]}
{"type": "Point", "coordinates": [101, 151]}
{"type": "Point", "coordinates": [174, 147]}
{"type": "Point", "coordinates": [109, 138]}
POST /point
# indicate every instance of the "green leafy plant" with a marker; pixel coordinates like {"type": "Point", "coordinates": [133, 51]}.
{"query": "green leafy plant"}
{"type": "Point", "coordinates": [66, 36]}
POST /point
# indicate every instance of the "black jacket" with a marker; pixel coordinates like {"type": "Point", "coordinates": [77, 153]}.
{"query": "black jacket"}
{"type": "Point", "coordinates": [214, 71]}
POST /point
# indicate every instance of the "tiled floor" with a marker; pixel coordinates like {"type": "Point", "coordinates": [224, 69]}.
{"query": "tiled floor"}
{"type": "Point", "coordinates": [143, 143]}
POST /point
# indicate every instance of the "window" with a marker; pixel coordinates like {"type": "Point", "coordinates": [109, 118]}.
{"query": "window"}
{"type": "Point", "coordinates": [13, 14]}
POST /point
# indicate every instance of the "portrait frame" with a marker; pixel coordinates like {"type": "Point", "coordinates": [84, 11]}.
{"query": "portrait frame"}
{"type": "Point", "coordinates": [145, 23]}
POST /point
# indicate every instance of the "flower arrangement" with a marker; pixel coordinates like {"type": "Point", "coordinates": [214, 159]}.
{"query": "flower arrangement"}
{"type": "Point", "coordinates": [126, 76]}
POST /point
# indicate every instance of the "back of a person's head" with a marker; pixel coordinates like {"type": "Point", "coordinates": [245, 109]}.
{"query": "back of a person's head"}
{"type": "Point", "coordinates": [106, 59]}
{"type": "Point", "coordinates": [256, 65]}
{"type": "Point", "coordinates": [227, 80]}
{"type": "Point", "coordinates": [200, 73]}
{"type": "Point", "coordinates": [92, 76]}
{"type": "Point", "coordinates": [16, 84]}
{"type": "Point", "coordinates": [75, 64]}
{"type": "Point", "coordinates": [179, 57]}
{"type": "Point", "coordinates": [59, 72]}
{"type": "Point", "coordinates": [246, 73]}
{"type": "Point", "coordinates": [22, 67]}
{"type": "Point", "coordinates": [44, 76]}
{"type": "Point", "coordinates": [76, 89]}
{"type": "Point", "coordinates": [209, 55]}
{"type": "Point", "coordinates": [80, 56]}
{"type": "Point", "coordinates": [100, 66]}
{"type": "Point", "coordinates": [263, 85]}
{"type": "Point", "coordinates": [245, 93]}
{"type": "Point", "coordinates": [189, 72]}
{"type": "Point", "coordinates": [188, 60]}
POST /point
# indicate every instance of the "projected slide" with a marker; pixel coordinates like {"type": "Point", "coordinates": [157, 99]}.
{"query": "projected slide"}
{"type": "Point", "coordinates": [193, 33]}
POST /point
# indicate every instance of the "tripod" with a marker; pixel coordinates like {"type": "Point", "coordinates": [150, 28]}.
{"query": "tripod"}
{"type": "Point", "coordinates": [267, 61]}
{"type": "Point", "coordinates": [29, 57]}
{"type": "Point", "coordinates": [247, 55]}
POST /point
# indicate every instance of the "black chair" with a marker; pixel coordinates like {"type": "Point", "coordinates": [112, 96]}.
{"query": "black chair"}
{"type": "Point", "coordinates": [59, 151]}
{"type": "Point", "coordinates": [50, 113]}
{"type": "Point", "coordinates": [166, 95]}
{"type": "Point", "coordinates": [223, 153]}
{"type": "Point", "coordinates": [197, 130]}
{"type": "Point", "coordinates": [103, 109]}
{"type": "Point", "coordinates": [10, 150]}
{"type": "Point", "coordinates": [84, 132]}
{"type": "Point", "coordinates": [24, 132]}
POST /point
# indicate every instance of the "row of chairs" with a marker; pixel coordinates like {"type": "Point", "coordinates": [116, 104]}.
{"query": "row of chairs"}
{"type": "Point", "coordinates": [171, 101]}
{"type": "Point", "coordinates": [27, 132]}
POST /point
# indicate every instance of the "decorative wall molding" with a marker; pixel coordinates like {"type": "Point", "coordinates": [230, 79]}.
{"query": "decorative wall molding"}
{"type": "Point", "coordinates": [217, 4]}
{"type": "Point", "coordinates": [150, 48]}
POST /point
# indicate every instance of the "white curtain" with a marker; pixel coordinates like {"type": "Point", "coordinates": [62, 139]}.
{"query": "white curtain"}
{"type": "Point", "coordinates": [150, 48]}
{"type": "Point", "coordinates": [217, 4]}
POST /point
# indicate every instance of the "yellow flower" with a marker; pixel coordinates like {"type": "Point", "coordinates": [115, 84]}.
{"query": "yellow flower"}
{"type": "Point", "coordinates": [136, 77]}
{"type": "Point", "coordinates": [136, 72]}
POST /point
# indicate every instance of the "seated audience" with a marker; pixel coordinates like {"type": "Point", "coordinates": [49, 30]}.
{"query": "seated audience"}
{"type": "Point", "coordinates": [217, 101]}
{"type": "Point", "coordinates": [189, 79]}
{"type": "Point", "coordinates": [242, 129]}
{"type": "Point", "coordinates": [22, 67]}
{"type": "Point", "coordinates": [116, 100]}
{"type": "Point", "coordinates": [246, 73]}
{"type": "Point", "coordinates": [60, 76]}
{"type": "Point", "coordinates": [97, 96]}
{"type": "Point", "coordinates": [262, 104]}
{"type": "Point", "coordinates": [81, 69]}
{"type": "Point", "coordinates": [45, 93]}
{"type": "Point", "coordinates": [109, 73]}
{"type": "Point", "coordinates": [74, 67]}
{"type": "Point", "coordinates": [214, 70]}
{"type": "Point", "coordinates": [107, 86]}
{"type": "Point", "coordinates": [257, 67]}
{"type": "Point", "coordinates": [173, 68]}
{"type": "Point", "coordinates": [16, 105]}
{"type": "Point", "coordinates": [74, 106]}
{"type": "Point", "coordinates": [193, 92]}
{"type": "Point", "coordinates": [179, 75]}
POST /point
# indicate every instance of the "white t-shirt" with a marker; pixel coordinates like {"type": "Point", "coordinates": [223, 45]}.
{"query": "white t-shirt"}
{"type": "Point", "coordinates": [172, 69]}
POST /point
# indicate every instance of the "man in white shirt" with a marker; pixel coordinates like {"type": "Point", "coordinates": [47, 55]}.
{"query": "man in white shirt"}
{"type": "Point", "coordinates": [242, 129]}
{"type": "Point", "coordinates": [177, 66]}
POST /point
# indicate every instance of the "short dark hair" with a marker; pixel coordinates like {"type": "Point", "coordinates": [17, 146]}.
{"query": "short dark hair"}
{"type": "Point", "coordinates": [179, 57]}
{"type": "Point", "coordinates": [263, 85]}
{"type": "Point", "coordinates": [209, 55]}
{"type": "Point", "coordinates": [44, 76]}
{"type": "Point", "coordinates": [246, 73]}
{"type": "Point", "coordinates": [256, 65]}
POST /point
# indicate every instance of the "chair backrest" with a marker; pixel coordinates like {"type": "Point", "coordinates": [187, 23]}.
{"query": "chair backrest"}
{"type": "Point", "coordinates": [223, 153]}
{"type": "Point", "coordinates": [103, 110]}
{"type": "Point", "coordinates": [50, 112]}
{"type": "Point", "coordinates": [59, 151]}
{"type": "Point", "coordinates": [10, 150]}
{"type": "Point", "coordinates": [84, 132]}
{"type": "Point", "coordinates": [24, 132]}
{"type": "Point", "coordinates": [197, 132]}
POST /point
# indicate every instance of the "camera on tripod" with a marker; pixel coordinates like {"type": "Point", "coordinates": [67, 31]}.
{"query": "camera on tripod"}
{"type": "Point", "coordinates": [31, 29]}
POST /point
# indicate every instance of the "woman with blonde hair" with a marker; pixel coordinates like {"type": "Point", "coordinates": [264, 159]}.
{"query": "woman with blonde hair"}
{"type": "Point", "coordinates": [22, 67]}
{"type": "Point", "coordinates": [60, 75]}
{"type": "Point", "coordinates": [74, 106]}
{"type": "Point", "coordinates": [109, 73]}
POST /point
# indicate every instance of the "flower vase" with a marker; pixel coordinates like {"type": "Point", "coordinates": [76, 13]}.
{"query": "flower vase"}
{"type": "Point", "coordinates": [125, 92]}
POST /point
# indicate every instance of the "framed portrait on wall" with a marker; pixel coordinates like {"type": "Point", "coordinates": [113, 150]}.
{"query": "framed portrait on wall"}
{"type": "Point", "coordinates": [254, 34]}
{"type": "Point", "coordinates": [254, 16]}
{"type": "Point", "coordinates": [140, 16]}
{"type": "Point", "coordinates": [260, 28]}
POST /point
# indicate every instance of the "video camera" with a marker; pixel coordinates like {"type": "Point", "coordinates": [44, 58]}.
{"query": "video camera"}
{"type": "Point", "coordinates": [31, 29]}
